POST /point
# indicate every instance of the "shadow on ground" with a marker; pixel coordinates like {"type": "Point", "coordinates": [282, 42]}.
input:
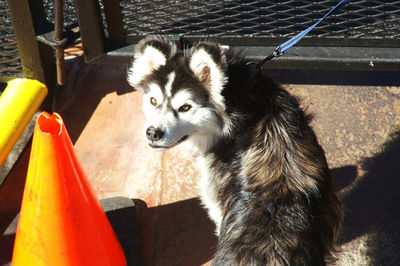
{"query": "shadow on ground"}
{"type": "Point", "coordinates": [176, 234]}
{"type": "Point", "coordinates": [87, 85]}
{"type": "Point", "coordinates": [371, 206]}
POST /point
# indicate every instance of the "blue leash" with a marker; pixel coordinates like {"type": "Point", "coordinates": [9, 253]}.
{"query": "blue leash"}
{"type": "Point", "coordinates": [281, 49]}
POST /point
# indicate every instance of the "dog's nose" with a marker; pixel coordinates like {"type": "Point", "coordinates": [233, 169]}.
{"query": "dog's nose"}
{"type": "Point", "coordinates": [154, 134]}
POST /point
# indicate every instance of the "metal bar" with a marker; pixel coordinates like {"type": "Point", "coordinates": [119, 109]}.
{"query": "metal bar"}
{"type": "Point", "coordinates": [37, 58]}
{"type": "Point", "coordinates": [91, 29]}
{"type": "Point", "coordinates": [329, 58]}
{"type": "Point", "coordinates": [275, 41]}
{"type": "Point", "coordinates": [312, 58]}
{"type": "Point", "coordinates": [115, 27]}
{"type": "Point", "coordinates": [58, 37]}
{"type": "Point", "coordinates": [59, 21]}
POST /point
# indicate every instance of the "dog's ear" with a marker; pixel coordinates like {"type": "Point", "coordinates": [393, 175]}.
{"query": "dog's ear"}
{"type": "Point", "coordinates": [208, 63]}
{"type": "Point", "coordinates": [150, 54]}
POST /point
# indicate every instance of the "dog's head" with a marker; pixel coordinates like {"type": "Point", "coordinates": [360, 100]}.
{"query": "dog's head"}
{"type": "Point", "coordinates": [181, 92]}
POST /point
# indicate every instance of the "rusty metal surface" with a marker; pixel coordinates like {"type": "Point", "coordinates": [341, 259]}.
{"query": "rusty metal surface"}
{"type": "Point", "coordinates": [358, 126]}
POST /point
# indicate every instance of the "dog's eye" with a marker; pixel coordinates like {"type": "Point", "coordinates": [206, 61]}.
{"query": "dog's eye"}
{"type": "Point", "coordinates": [153, 101]}
{"type": "Point", "coordinates": [185, 108]}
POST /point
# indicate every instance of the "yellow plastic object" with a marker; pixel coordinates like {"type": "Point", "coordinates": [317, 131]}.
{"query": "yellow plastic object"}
{"type": "Point", "coordinates": [18, 104]}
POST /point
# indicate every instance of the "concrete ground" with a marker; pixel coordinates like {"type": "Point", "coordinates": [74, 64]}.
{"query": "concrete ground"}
{"type": "Point", "coordinates": [358, 126]}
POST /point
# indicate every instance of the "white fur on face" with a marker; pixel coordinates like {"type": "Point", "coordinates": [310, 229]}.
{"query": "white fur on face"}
{"type": "Point", "coordinates": [199, 123]}
{"type": "Point", "coordinates": [202, 124]}
{"type": "Point", "coordinates": [168, 86]}
{"type": "Point", "coordinates": [182, 97]}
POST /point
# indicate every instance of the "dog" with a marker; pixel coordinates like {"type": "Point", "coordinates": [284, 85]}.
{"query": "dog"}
{"type": "Point", "coordinates": [264, 178]}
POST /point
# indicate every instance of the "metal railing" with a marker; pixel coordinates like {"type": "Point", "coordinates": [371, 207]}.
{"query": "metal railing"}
{"type": "Point", "coordinates": [363, 35]}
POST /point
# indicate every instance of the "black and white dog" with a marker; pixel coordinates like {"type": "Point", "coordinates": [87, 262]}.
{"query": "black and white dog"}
{"type": "Point", "coordinates": [265, 179]}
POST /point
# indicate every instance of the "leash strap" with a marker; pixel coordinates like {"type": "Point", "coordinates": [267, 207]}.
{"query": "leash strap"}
{"type": "Point", "coordinates": [281, 49]}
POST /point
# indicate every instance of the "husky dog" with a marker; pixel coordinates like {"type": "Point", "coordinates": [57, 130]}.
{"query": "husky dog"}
{"type": "Point", "coordinates": [265, 179]}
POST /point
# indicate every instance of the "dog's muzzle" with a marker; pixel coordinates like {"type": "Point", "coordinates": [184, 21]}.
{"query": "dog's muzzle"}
{"type": "Point", "coordinates": [154, 134]}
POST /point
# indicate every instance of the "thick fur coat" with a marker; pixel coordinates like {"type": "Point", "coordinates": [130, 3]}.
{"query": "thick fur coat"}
{"type": "Point", "coordinates": [265, 180]}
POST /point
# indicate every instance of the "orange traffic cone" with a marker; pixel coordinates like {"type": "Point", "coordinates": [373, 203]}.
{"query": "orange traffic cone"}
{"type": "Point", "coordinates": [61, 221]}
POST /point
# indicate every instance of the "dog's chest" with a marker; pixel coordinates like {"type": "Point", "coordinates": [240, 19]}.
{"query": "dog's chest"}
{"type": "Point", "coordinates": [209, 189]}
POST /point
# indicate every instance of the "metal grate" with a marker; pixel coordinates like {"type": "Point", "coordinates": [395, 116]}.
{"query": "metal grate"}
{"type": "Point", "coordinates": [360, 23]}
{"type": "Point", "coordinates": [68, 8]}
{"type": "Point", "coordinates": [10, 64]}
{"type": "Point", "coordinates": [367, 24]}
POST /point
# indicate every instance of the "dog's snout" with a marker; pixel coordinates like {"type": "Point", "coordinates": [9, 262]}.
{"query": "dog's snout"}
{"type": "Point", "coordinates": [154, 134]}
